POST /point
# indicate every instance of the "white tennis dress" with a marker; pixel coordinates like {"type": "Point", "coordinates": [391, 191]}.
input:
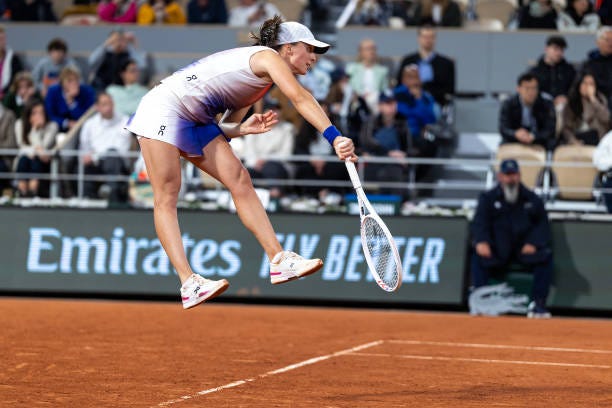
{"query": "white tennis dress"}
{"type": "Point", "coordinates": [181, 110]}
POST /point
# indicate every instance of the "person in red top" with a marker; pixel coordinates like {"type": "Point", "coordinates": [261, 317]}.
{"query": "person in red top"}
{"type": "Point", "coordinates": [118, 11]}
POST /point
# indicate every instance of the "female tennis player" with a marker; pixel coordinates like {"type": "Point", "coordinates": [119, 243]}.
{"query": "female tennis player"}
{"type": "Point", "coordinates": [177, 118]}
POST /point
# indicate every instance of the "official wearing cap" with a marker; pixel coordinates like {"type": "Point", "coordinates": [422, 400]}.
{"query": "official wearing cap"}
{"type": "Point", "coordinates": [511, 226]}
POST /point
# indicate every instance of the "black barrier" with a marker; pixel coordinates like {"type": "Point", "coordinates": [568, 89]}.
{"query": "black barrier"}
{"type": "Point", "coordinates": [583, 279]}
{"type": "Point", "coordinates": [117, 252]}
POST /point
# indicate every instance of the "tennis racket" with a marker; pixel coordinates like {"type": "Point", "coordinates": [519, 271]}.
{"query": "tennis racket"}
{"type": "Point", "coordinates": [378, 244]}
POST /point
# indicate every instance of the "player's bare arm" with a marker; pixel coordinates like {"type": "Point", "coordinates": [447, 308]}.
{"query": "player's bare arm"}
{"type": "Point", "coordinates": [232, 125]}
{"type": "Point", "coordinates": [268, 64]}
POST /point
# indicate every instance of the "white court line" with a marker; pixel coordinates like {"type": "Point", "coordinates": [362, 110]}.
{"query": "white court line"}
{"type": "Point", "coordinates": [273, 372]}
{"type": "Point", "coordinates": [499, 346]}
{"type": "Point", "coordinates": [479, 360]}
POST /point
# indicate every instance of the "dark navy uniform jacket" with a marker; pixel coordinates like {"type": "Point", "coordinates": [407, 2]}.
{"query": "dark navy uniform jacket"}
{"type": "Point", "coordinates": [507, 227]}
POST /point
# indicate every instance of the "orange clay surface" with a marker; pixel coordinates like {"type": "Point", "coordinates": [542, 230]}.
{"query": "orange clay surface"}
{"type": "Point", "coordinates": [80, 353]}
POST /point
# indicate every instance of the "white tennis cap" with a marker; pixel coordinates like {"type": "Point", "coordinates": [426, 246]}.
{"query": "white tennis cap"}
{"type": "Point", "coordinates": [292, 32]}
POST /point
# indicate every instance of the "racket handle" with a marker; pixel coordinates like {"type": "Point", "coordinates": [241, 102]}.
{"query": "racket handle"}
{"type": "Point", "coordinates": [352, 171]}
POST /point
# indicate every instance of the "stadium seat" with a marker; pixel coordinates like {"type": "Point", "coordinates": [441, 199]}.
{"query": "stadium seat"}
{"type": "Point", "coordinates": [501, 10]}
{"type": "Point", "coordinates": [484, 24]}
{"type": "Point", "coordinates": [532, 160]}
{"type": "Point", "coordinates": [574, 183]}
{"type": "Point", "coordinates": [80, 19]}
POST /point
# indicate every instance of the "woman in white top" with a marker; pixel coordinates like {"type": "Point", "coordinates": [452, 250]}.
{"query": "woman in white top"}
{"type": "Point", "coordinates": [178, 118]}
{"type": "Point", "coordinates": [368, 78]}
{"type": "Point", "coordinates": [35, 134]}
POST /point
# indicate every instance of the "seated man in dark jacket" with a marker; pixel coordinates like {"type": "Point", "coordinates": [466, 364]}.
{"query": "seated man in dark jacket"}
{"type": "Point", "coordinates": [511, 226]}
{"type": "Point", "coordinates": [436, 71]}
{"type": "Point", "coordinates": [528, 117]}
{"type": "Point", "coordinates": [387, 135]}
{"type": "Point", "coordinates": [555, 75]}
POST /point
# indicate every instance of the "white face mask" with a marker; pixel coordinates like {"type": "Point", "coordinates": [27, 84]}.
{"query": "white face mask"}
{"type": "Point", "coordinates": [511, 193]}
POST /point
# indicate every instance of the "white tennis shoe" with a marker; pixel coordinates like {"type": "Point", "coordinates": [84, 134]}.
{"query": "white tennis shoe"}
{"type": "Point", "coordinates": [197, 289]}
{"type": "Point", "coordinates": [287, 266]}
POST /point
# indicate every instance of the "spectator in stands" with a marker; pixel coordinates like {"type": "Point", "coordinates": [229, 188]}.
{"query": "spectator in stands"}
{"type": "Point", "coordinates": [11, 64]}
{"type": "Point", "coordinates": [602, 159]}
{"type": "Point", "coordinates": [538, 14]}
{"type": "Point", "coordinates": [586, 117]}
{"type": "Point", "coordinates": [408, 11]}
{"type": "Point", "coordinates": [67, 100]}
{"type": "Point", "coordinates": [308, 142]}
{"type": "Point", "coordinates": [118, 11]}
{"type": "Point", "coordinates": [599, 61]}
{"type": "Point", "coordinates": [7, 141]}
{"type": "Point", "coordinates": [47, 69]}
{"type": "Point", "coordinates": [443, 13]}
{"type": "Point", "coordinates": [374, 13]}
{"type": "Point", "coordinates": [345, 106]}
{"type": "Point", "coordinates": [31, 10]}
{"type": "Point", "coordinates": [104, 143]}
{"type": "Point", "coordinates": [207, 12]}
{"type": "Point", "coordinates": [335, 97]}
{"type": "Point", "coordinates": [22, 89]}
{"type": "Point", "coordinates": [279, 141]}
{"type": "Point", "coordinates": [555, 75]}
{"type": "Point", "coordinates": [511, 226]}
{"type": "Point", "coordinates": [161, 12]}
{"type": "Point", "coordinates": [367, 77]}
{"type": "Point", "coordinates": [386, 134]}
{"type": "Point", "coordinates": [414, 103]}
{"type": "Point", "coordinates": [35, 134]}
{"type": "Point", "coordinates": [420, 110]}
{"type": "Point", "coordinates": [578, 16]}
{"type": "Point", "coordinates": [108, 57]}
{"type": "Point", "coordinates": [127, 96]}
{"type": "Point", "coordinates": [528, 117]}
{"type": "Point", "coordinates": [437, 72]}
{"type": "Point", "coordinates": [252, 13]}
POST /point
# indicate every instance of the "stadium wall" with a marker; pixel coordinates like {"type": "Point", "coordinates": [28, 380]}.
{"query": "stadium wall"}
{"type": "Point", "coordinates": [486, 62]}
{"type": "Point", "coordinates": [116, 252]}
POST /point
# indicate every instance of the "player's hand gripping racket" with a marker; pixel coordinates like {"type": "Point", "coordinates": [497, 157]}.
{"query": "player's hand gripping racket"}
{"type": "Point", "coordinates": [379, 248]}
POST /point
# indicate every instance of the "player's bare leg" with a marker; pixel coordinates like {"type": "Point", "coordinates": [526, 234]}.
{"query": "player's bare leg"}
{"type": "Point", "coordinates": [164, 170]}
{"type": "Point", "coordinates": [221, 163]}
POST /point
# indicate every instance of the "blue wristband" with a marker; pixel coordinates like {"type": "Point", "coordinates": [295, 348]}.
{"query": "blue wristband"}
{"type": "Point", "coordinates": [331, 133]}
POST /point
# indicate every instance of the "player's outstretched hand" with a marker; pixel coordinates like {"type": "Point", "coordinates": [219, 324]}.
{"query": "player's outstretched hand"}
{"type": "Point", "coordinates": [259, 123]}
{"type": "Point", "coordinates": [345, 148]}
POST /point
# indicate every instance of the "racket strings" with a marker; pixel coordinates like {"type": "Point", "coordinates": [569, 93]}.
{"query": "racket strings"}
{"type": "Point", "coordinates": [381, 252]}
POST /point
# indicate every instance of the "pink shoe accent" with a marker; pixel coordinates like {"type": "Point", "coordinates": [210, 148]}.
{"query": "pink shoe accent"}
{"type": "Point", "coordinates": [203, 293]}
{"type": "Point", "coordinates": [185, 298]}
{"type": "Point", "coordinates": [275, 273]}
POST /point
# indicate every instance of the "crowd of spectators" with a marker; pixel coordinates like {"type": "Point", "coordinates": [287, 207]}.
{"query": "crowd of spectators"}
{"type": "Point", "coordinates": [50, 103]}
{"type": "Point", "coordinates": [570, 15]}
{"type": "Point", "coordinates": [389, 110]}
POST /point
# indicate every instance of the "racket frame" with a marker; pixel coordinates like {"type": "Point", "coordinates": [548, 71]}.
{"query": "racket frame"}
{"type": "Point", "coordinates": [364, 204]}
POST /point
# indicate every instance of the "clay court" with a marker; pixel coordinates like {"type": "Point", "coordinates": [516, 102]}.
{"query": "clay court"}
{"type": "Point", "coordinates": [81, 353]}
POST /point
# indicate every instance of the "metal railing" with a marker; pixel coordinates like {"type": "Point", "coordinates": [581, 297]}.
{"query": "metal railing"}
{"type": "Point", "coordinates": [482, 168]}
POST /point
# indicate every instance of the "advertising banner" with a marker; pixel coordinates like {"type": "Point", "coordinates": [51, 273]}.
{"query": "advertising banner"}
{"type": "Point", "coordinates": [117, 252]}
{"type": "Point", "coordinates": [582, 278]}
